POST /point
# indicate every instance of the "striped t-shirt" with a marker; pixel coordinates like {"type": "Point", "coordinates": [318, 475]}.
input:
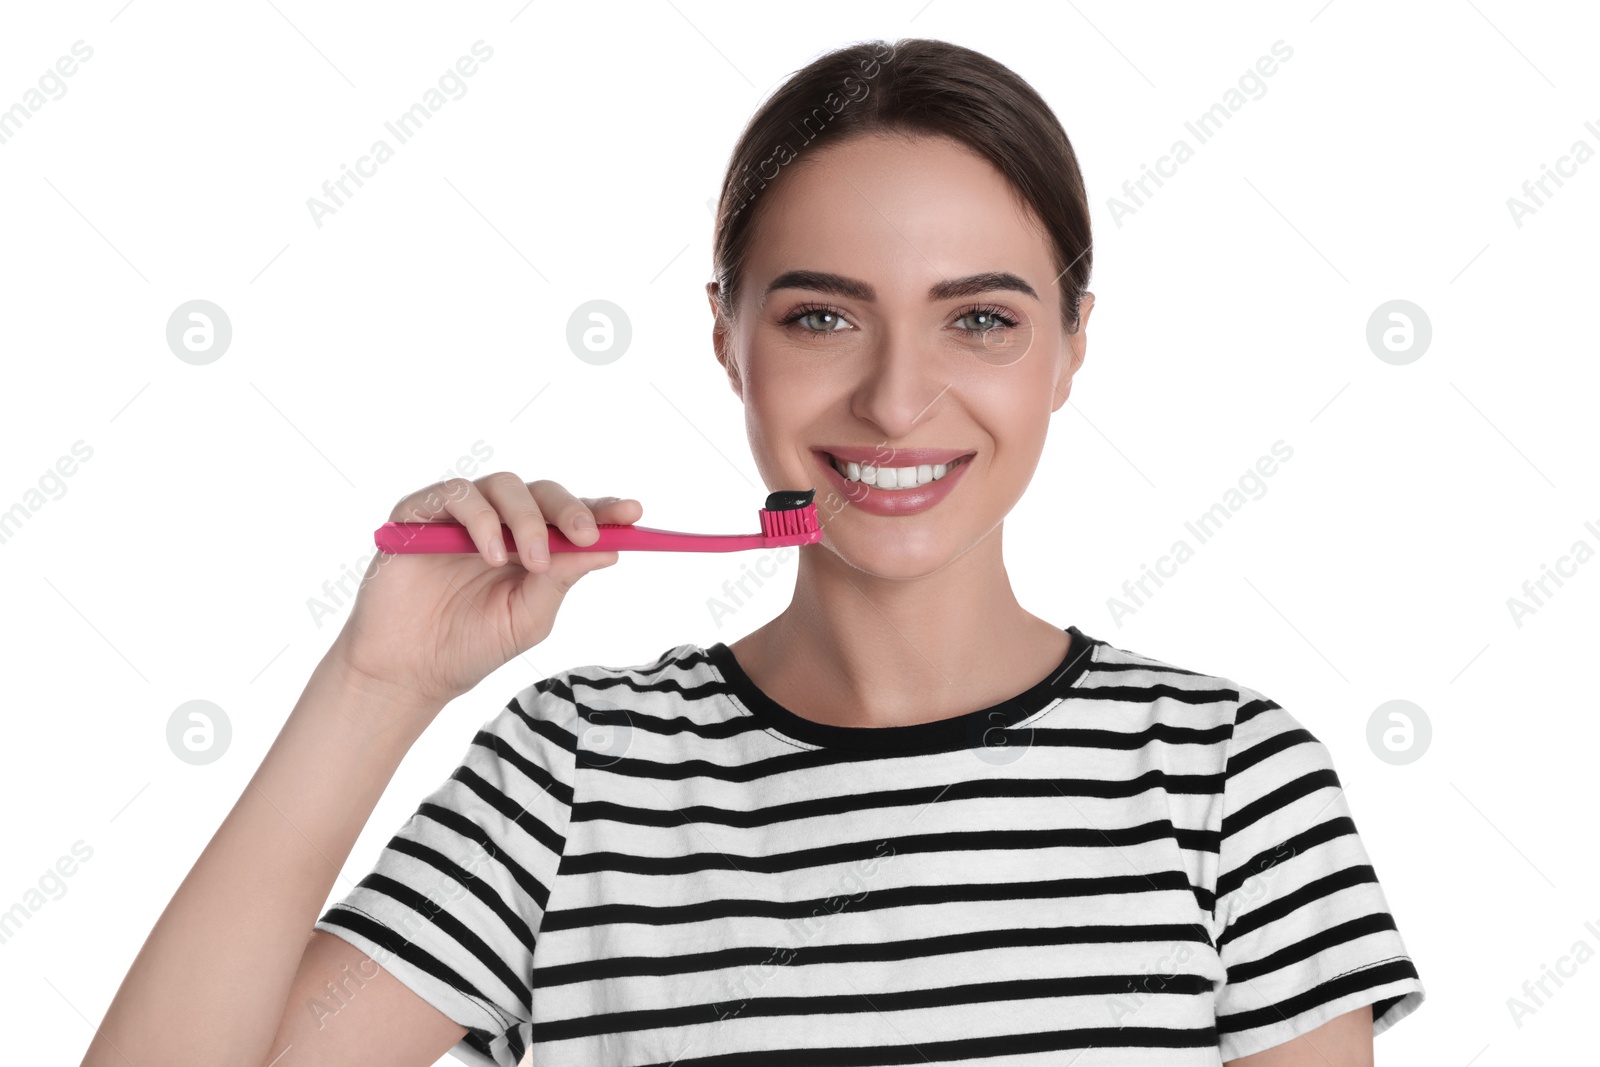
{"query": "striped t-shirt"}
{"type": "Point", "coordinates": [1125, 863]}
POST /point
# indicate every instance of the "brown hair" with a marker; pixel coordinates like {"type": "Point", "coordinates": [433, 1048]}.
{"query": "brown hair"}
{"type": "Point", "coordinates": [913, 86]}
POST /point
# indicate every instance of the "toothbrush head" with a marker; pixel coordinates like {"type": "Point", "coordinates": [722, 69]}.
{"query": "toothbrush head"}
{"type": "Point", "coordinates": [790, 513]}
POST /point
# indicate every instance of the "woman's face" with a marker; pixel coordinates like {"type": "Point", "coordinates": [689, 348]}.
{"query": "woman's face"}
{"type": "Point", "coordinates": [897, 297]}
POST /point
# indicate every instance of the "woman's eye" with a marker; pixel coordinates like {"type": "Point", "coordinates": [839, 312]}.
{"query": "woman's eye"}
{"type": "Point", "coordinates": [986, 319]}
{"type": "Point", "coordinates": [818, 320]}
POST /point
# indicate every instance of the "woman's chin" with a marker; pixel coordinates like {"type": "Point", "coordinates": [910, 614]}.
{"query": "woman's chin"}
{"type": "Point", "coordinates": [877, 548]}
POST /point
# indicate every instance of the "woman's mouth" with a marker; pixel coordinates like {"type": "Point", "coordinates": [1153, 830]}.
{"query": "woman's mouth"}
{"type": "Point", "coordinates": [894, 478]}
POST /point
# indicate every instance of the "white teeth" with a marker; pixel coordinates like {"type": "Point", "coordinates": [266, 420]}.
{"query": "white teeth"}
{"type": "Point", "coordinates": [893, 477]}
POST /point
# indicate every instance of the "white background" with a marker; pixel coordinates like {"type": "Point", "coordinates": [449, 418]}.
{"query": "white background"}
{"type": "Point", "coordinates": [430, 311]}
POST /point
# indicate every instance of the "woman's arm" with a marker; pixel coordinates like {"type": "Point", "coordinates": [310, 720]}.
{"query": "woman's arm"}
{"type": "Point", "coordinates": [233, 959]}
{"type": "Point", "coordinates": [212, 984]}
{"type": "Point", "coordinates": [1344, 1041]}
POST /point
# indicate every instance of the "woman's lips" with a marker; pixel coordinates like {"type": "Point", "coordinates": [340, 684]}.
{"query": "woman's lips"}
{"type": "Point", "coordinates": [893, 502]}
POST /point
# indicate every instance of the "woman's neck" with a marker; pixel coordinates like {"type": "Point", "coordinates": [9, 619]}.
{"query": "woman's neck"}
{"type": "Point", "coordinates": [855, 649]}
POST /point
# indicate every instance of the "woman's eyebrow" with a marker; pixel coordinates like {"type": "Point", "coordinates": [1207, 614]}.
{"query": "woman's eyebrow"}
{"type": "Point", "coordinates": [947, 289]}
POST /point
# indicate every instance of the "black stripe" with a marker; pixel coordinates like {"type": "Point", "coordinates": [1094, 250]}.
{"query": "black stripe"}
{"type": "Point", "coordinates": [1124, 741]}
{"type": "Point", "coordinates": [1154, 666]}
{"type": "Point", "coordinates": [1244, 760]}
{"type": "Point", "coordinates": [921, 948]}
{"type": "Point", "coordinates": [717, 730]}
{"type": "Point", "coordinates": [480, 1041]}
{"type": "Point", "coordinates": [1292, 902]}
{"type": "Point", "coordinates": [953, 841]}
{"type": "Point", "coordinates": [1281, 853]}
{"type": "Point", "coordinates": [460, 824]}
{"type": "Point", "coordinates": [1146, 694]}
{"type": "Point", "coordinates": [514, 1043]}
{"type": "Point", "coordinates": [1108, 985]}
{"type": "Point", "coordinates": [699, 690]}
{"type": "Point", "coordinates": [672, 657]}
{"type": "Point", "coordinates": [914, 796]}
{"type": "Point", "coordinates": [1380, 1008]}
{"type": "Point", "coordinates": [1279, 798]}
{"type": "Point", "coordinates": [789, 762]}
{"type": "Point", "coordinates": [968, 1048]}
{"type": "Point", "coordinates": [903, 896]}
{"type": "Point", "coordinates": [1307, 947]}
{"type": "Point", "coordinates": [1251, 709]}
{"type": "Point", "coordinates": [1353, 982]}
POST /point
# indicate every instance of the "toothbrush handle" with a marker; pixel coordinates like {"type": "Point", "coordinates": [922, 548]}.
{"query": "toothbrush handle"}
{"type": "Point", "coordinates": [453, 537]}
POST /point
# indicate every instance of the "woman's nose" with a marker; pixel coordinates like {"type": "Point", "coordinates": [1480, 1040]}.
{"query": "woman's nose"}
{"type": "Point", "coordinates": [901, 387]}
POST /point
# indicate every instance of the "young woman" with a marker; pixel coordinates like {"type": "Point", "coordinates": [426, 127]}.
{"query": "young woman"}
{"type": "Point", "coordinates": [905, 822]}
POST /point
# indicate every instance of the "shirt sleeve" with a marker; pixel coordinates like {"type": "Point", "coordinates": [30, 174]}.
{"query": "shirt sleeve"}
{"type": "Point", "coordinates": [1301, 923]}
{"type": "Point", "coordinates": [454, 902]}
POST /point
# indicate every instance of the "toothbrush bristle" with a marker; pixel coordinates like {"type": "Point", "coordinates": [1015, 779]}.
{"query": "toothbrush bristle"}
{"type": "Point", "coordinates": [789, 512]}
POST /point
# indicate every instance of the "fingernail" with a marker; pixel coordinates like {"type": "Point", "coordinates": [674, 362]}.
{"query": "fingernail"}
{"type": "Point", "coordinates": [497, 550]}
{"type": "Point", "coordinates": [583, 522]}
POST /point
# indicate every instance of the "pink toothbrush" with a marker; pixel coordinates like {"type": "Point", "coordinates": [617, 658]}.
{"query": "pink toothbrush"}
{"type": "Point", "coordinates": [789, 518]}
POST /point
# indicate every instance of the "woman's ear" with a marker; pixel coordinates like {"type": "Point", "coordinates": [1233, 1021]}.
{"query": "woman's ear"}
{"type": "Point", "coordinates": [721, 343]}
{"type": "Point", "coordinates": [1076, 349]}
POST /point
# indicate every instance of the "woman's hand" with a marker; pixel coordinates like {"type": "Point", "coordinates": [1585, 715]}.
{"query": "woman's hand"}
{"type": "Point", "coordinates": [433, 626]}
